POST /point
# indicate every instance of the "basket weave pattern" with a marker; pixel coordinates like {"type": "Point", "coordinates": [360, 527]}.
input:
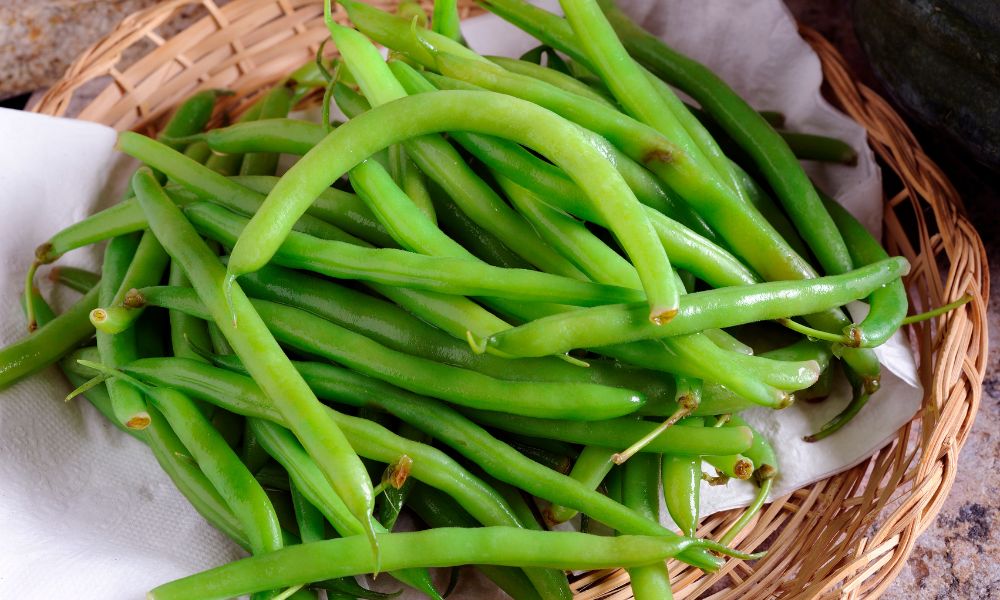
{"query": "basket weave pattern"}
{"type": "Point", "coordinates": [844, 537]}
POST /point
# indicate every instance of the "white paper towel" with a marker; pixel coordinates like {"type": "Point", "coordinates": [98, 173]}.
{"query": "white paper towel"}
{"type": "Point", "coordinates": [85, 511]}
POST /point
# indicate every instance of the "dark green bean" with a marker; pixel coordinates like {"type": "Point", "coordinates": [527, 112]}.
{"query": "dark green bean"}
{"type": "Point", "coordinates": [682, 491]}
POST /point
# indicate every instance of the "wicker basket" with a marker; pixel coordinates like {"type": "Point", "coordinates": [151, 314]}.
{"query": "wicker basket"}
{"type": "Point", "coordinates": [847, 536]}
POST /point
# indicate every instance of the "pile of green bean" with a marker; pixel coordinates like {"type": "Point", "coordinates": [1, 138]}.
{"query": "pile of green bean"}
{"type": "Point", "coordinates": [502, 293]}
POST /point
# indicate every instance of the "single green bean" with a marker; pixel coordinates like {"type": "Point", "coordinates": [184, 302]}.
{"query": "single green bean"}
{"type": "Point", "coordinates": [186, 331]}
{"type": "Point", "coordinates": [641, 492]}
{"type": "Point", "coordinates": [682, 491]}
{"type": "Point", "coordinates": [254, 344]}
{"type": "Point", "coordinates": [444, 547]}
{"type": "Point", "coordinates": [445, 19]}
{"type": "Point", "coordinates": [606, 325]}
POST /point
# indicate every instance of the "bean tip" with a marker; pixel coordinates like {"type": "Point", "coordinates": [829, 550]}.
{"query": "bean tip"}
{"type": "Point", "coordinates": [478, 346]}
{"type": "Point", "coordinates": [138, 421]}
{"type": "Point", "coordinates": [98, 316]}
{"type": "Point", "coordinates": [661, 316]}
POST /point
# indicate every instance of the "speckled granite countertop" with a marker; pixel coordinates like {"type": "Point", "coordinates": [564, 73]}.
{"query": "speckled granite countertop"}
{"type": "Point", "coordinates": [957, 557]}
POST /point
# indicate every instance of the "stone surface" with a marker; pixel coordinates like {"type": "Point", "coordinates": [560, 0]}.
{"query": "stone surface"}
{"type": "Point", "coordinates": [958, 556]}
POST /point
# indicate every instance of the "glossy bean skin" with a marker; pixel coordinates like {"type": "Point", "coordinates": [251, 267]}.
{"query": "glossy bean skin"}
{"type": "Point", "coordinates": [702, 310]}
{"type": "Point", "coordinates": [682, 490]}
{"type": "Point", "coordinates": [251, 340]}
{"type": "Point", "coordinates": [318, 336]}
{"type": "Point", "coordinates": [503, 546]}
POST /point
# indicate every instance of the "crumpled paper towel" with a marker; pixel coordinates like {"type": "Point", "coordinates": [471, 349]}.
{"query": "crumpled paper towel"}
{"type": "Point", "coordinates": [86, 512]}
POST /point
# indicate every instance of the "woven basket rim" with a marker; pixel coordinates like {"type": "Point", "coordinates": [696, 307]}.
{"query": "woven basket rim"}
{"type": "Point", "coordinates": [869, 529]}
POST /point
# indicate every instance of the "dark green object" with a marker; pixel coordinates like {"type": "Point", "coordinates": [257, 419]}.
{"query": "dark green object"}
{"type": "Point", "coordinates": [940, 61]}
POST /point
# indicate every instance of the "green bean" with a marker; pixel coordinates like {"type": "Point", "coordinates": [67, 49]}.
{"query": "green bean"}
{"type": "Point", "coordinates": [769, 152]}
{"type": "Point", "coordinates": [692, 247]}
{"type": "Point", "coordinates": [456, 276]}
{"type": "Point", "coordinates": [432, 153]}
{"type": "Point", "coordinates": [643, 184]}
{"type": "Point", "coordinates": [186, 331]}
{"type": "Point", "coordinates": [469, 388]}
{"type": "Point", "coordinates": [237, 393]}
{"type": "Point", "coordinates": [48, 343]}
{"type": "Point", "coordinates": [614, 324]}
{"type": "Point", "coordinates": [444, 547]}
{"type": "Point", "coordinates": [618, 433]}
{"type": "Point", "coordinates": [396, 211]}
{"type": "Point", "coordinates": [310, 521]}
{"type": "Point", "coordinates": [774, 215]}
{"type": "Point", "coordinates": [590, 469]}
{"type": "Point", "coordinates": [411, 180]}
{"type": "Point", "coordinates": [764, 458]}
{"type": "Point", "coordinates": [76, 279]}
{"type": "Point", "coordinates": [641, 492]}
{"type": "Point", "coordinates": [307, 480]}
{"type": "Point", "coordinates": [146, 268]}
{"type": "Point", "coordinates": [229, 164]}
{"type": "Point", "coordinates": [391, 326]}
{"type": "Point", "coordinates": [441, 111]}
{"type": "Point", "coordinates": [445, 19]}
{"type": "Point", "coordinates": [438, 510]}
{"type": "Point", "coordinates": [553, 77]}
{"type": "Point", "coordinates": [859, 398]}
{"type": "Point", "coordinates": [275, 104]}
{"type": "Point", "coordinates": [218, 462]}
{"type": "Point", "coordinates": [115, 350]}
{"type": "Point", "coordinates": [682, 491]}
{"type": "Point", "coordinates": [889, 303]}
{"type": "Point", "coordinates": [255, 345]}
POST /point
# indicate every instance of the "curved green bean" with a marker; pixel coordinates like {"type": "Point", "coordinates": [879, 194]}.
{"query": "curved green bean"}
{"type": "Point", "coordinates": [448, 110]}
